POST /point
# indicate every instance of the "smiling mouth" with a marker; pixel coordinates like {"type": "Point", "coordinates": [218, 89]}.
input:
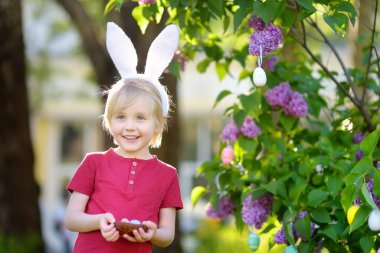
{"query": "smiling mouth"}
{"type": "Point", "coordinates": [131, 138]}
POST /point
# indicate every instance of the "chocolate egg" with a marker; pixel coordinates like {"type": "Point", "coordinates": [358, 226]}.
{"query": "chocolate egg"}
{"type": "Point", "coordinates": [253, 242]}
{"type": "Point", "coordinates": [259, 77]}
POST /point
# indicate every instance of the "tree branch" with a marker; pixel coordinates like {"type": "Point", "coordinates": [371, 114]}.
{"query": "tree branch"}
{"type": "Point", "coordinates": [345, 71]}
{"type": "Point", "coordinates": [95, 50]}
{"type": "Point", "coordinates": [372, 46]}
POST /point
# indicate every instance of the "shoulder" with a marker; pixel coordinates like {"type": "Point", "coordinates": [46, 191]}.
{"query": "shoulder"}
{"type": "Point", "coordinates": [96, 155]}
{"type": "Point", "coordinates": [166, 166]}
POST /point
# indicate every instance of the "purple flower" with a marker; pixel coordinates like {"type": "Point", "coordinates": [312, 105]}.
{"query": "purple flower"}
{"type": "Point", "coordinates": [312, 224]}
{"type": "Point", "coordinates": [230, 132]}
{"type": "Point", "coordinates": [359, 155]}
{"type": "Point", "coordinates": [255, 212]}
{"type": "Point", "coordinates": [375, 198]}
{"type": "Point", "coordinates": [249, 128]}
{"type": "Point", "coordinates": [226, 207]}
{"type": "Point", "coordinates": [279, 96]}
{"type": "Point", "coordinates": [296, 106]}
{"type": "Point", "coordinates": [269, 39]}
{"type": "Point", "coordinates": [280, 237]}
{"type": "Point", "coordinates": [143, 2]}
{"type": "Point", "coordinates": [269, 63]}
{"type": "Point", "coordinates": [256, 23]}
{"type": "Point", "coordinates": [358, 137]}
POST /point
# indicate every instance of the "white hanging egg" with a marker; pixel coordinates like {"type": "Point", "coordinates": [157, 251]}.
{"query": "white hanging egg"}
{"type": "Point", "coordinates": [259, 77]}
{"type": "Point", "coordinates": [253, 241]}
{"type": "Point", "coordinates": [374, 220]}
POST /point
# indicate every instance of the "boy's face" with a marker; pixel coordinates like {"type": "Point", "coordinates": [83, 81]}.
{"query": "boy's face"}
{"type": "Point", "coordinates": [133, 128]}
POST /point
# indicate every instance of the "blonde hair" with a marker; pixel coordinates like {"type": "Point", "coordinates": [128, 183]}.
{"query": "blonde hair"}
{"type": "Point", "coordinates": [124, 93]}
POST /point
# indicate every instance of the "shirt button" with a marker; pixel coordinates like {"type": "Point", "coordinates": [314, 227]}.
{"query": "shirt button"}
{"type": "Point", "coordinates": [134, 164]}
{"type": "Point", "coordinates": [133, 172]}
{"type": "Point", "coordinates": [131, 182]}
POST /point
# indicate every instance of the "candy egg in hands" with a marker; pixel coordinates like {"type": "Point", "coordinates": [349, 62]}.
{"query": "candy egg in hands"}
{"type": "Point", "coordinates": [259, 77]}
{"type": "Point", "coordinates": [227, 155]}
{"type": "Point", "coordinates": [374, 220]}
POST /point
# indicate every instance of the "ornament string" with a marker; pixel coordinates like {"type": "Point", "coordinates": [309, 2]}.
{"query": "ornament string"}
{"type": "Point", "coordinates": [260, 59]}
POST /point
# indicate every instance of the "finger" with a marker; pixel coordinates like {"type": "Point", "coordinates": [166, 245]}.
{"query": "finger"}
{"type": "Point", "coordinates": [129, 238]}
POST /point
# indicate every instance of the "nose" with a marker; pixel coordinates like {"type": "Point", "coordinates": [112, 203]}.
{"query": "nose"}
{"type": "Point", "coordinates": [129, 125]}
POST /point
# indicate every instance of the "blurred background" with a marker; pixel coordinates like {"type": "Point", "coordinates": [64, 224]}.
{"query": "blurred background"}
{"type": "Point", "coordinates": [67, 67]}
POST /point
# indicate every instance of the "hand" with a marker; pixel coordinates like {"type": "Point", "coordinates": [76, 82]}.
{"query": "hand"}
{"type": "Point", "coordinates": [140, 235]}
{"type": "Point", "coordinates": [107, 227]}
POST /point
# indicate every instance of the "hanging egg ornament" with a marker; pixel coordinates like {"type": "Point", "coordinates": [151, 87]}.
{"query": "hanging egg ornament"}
{"type": "Point", "coordinates": [351, 213]}
{"type": "Point", "coordinates": [259, 77]}
{"type": "Point", "coordinates": [253, 241]}
{"type": "Point", "coordinates": [374, 220]}
{"type": "Point", "coordinates": [227, 155]}
{"type": "Point", "coordinates": [291, 249]}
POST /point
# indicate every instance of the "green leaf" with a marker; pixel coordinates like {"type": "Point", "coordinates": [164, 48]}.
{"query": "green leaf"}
{"type": "Point", "coordinates": [288, 122]}
{"type": "Point", "coordinates": [369, 143]}
{"type": "Point", "coordinates": [288, 229]}
{"type": "Point", "coordinates": [316, 197]}
{"type": "Point", "coordinates": [346, 6]}
{"type": "Point", "coordinates": [268, 10]}
{"type": "Point", "coordinates": [239, 15]}
{"type": "Point", "coordinates": [221, 70]}
{"type": "Point", "coordinates": [307, 4]}
{"type": "Point", "coordinates": [216, 6]}
{"type": "Point", "coordinates": [320, 215]}
{"type": "Point", "coordinates": [296, 191]}
{"type": "Point", "coordinates": [251, 103]}
{"type": "Point", "coordinates": [368, 197]}
{"type": "Point", "coordinates": [142, 21]}
{"type": "Point", "coordinates": [302, 226]}
{"type": "Point", "coordinates": [337, 21]}
{"type": "Point", "coordinates": [348, 195]}
{"type": "Point", "coordinates": [376, 186]}
{"type": "Point", "coordinates": [329, 232]}
{"type": "Point", "coordinates": [360, 218]}
{"type": "Point", "coordinates": [221, 95]}
{"type": "Point", "coordinates": [197, 193]}
{"type": "Point", "coordinates": [203, 65]}
{"type": "Point", "coordinates": [334, 183]}
{"type": "Point", "coordinates": [361, 168]}
{"type": "Point", "coordinates": [366, 243]}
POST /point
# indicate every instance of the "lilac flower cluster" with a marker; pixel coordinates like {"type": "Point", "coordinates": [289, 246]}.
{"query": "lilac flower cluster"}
{"type": "Point", "coordinates": [143, 2]}
{"type": "Point", "coordinates": [269, 37]}
{"type": "Point", "coordinates": [256, 23]}
{"type": "Point", "coordinates": [375, 198]}
{"type": "Point", "coordinates": [280, 237]}
{"type": "Point", "coordinates": [231, 131]}
{"type": "Point", "coordinates": [357, 138]}
{"type": "Point", "coordinates": [255, 212]}
{"type": "Point", "coordinates": [269, 63]}
{"type": "Point", "coordinates": [226, 207]}
{"type": "Point", "coordinates": [249, 128]}
{"type": "Point", "coordinates": [282, 96]}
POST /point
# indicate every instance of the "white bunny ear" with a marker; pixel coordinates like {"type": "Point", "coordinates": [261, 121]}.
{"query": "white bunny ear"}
{"type": "Point", "coordinates": [121, 50]}
{"type": "Point", "coordinates": [161, 51]}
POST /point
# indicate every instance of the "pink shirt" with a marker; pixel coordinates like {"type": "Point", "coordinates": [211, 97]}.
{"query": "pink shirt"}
{"type": "Point", "coordinates": [128, 188]}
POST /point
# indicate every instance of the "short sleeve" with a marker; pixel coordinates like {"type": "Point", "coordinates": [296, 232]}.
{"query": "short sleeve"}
{"type": "Point", "coordinates": [84, 178]}
{"type": "Point", "coordinates": [173, 194]}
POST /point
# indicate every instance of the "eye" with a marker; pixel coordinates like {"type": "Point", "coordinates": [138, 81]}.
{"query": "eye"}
{"type": "Point", "coordinates": [140, 117]}
{"type": "Point", "coordinates": [120, 117]}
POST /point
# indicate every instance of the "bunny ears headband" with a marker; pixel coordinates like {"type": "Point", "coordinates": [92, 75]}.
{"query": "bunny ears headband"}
{"type": "Point", "coordinates": [123, 55]}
